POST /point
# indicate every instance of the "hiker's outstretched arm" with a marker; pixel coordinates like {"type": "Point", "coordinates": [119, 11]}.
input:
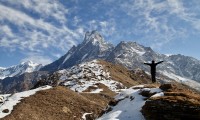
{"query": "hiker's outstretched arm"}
{"type": "Point", "coordinates": [159, 62]}
{"type": "Point", "coordinates": [147, 63]}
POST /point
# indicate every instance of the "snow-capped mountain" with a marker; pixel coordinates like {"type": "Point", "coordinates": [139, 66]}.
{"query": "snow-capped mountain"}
{"type": "Point", "coordinates": [129, 54]}
{"type": "Point", "coordinates": [133, 55]}
{"type": "Point", "coordinates": [2, 68]}
{"type": "Point", "coordinates": [93, 47]}
{"type": "Point", "coordinates": [17, 70]}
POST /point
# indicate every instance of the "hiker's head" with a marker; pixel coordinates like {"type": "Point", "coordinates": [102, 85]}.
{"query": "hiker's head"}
{"type": "Point", "coordinates": [153, 61]}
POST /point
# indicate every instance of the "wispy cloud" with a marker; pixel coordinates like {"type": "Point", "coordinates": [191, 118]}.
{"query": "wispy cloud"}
{"type": "Point", "coordinates": [106, 27]}
{"type": "Point", "coordinates": [155, 19]}
{"type": "Point", "coordinates": [45, 8]}
{"type": "Point", "coordinates": [29, 33]}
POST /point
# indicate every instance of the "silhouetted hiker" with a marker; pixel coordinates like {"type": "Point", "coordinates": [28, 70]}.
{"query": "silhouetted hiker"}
{"type": "Point", "coordinates": [153, 69]}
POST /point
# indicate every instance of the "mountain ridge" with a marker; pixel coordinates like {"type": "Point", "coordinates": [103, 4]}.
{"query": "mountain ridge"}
{"type": "Point", "coordinates": [179, 68]}
{"type": "Point", "coordinates": [129, 54]}
{"type": "Point", "coordinates": [92, 47]}
{"type": "Point", "coordinates": [19, 69]}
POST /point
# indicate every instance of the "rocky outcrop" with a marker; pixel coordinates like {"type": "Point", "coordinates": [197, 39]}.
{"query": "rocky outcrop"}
{"type": "Point", "coordinates": [176, 104]}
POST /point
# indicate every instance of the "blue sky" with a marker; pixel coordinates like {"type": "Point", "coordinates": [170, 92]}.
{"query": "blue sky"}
{"type": "Point", "coordinates": [44, 30]}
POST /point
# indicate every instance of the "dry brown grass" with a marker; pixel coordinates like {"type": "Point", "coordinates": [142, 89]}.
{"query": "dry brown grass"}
{"type": "Point", "coordinates": [105, 91]}
{"type": "Point", "coordinates": [59, 103]}
{"type": "Point", "coordinates": [178, 102]}
{"type": "Point", "coordinates": [179, 93]}
{"type": "Point", "coordinates": [125, 76]}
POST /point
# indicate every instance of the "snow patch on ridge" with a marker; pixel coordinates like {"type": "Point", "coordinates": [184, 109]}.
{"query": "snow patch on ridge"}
{"type": "Point", "coordinates": [137, 51]}
{"type": "Point", "coordinates": [130, 104]}
{"type": "Point", "coordinates": [185, 81]}
{"type": "Point", "coordinates": [89, 74]}
{"type": "Point", "coordinates": [66, 58]}
{"type": "Point", "coordinates": [11, 100]}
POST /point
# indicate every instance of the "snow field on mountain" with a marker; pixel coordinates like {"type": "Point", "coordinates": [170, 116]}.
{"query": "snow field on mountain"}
{"type": "Point", "coordinates": [11, 100]}
{"type": "Point", "coordinates": [23, 67]}
{"type": "Point", "coordinates": [130, 104]}
{"type": "Point", "coordinates": [191, 83]}
{"type": "Point", "coordinates": [85, 75]}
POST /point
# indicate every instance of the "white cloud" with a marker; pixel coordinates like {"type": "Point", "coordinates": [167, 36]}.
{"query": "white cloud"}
{"type": "Point", "coordinates": [57, 55]}
{"type": "Point", "coordinates": [5, 29]}
{"type": "Point", "coordinates": [21, 19]}
{"type": "Point", "coordinates": [76, 20]}
{"type": "Point", "coordinates": [46, 8]}
{"type": "Point", "coordinates": [154, 18]}
{"type": "Point", "coordinates": [37, 33]}
{"type": "Point", "coordinates": [106, 28]}
{"type": "Point", "coordinates": [39, 38]}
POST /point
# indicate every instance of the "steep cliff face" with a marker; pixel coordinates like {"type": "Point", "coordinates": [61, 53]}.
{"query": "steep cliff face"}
{"type": "Point", "coordinates": [93, 47]}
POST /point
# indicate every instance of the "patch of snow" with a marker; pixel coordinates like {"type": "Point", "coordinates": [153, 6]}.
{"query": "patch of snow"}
{"type": "Point", "coordinates": [16, 72]}
{"type": "Point", "coordinates": [158, 94]}
{"type": "Point", "coordinates": [82, 76]}
{"type": "Point", "coordinates": [23, 67]}
{"type": "Point", "coordinates": [11, 100]}
{"type": "Point", "coordinates": [155, 90]}
{"type": "Point", "coordinates": [84, 115]}
{"type": "Point", "coordinates": [2, 68]}
{"type": "Point", "coordinates": [62, 71]}
{"type": "Point", "coordinates": [185, 81]}
{"type": "Point", "coordinates": [66, 58]}
{"type": "Point", "coordinates": [127, 109]}
{"type": "Point", "coordinates": [84, 57]}
{"type": "Point", "coordinates": [168, 55]}
{"type": "Point", "coordinates": [175, 77]}
{"type": "Point", "coordinates": [6, 72]}
{"type": "Point", "coordinates": [137, 51]}
{"type": "Point", "coordinates": [130, 104]}
{"type": "Point", "coordinates": [97, 91]}
{"type": "Point", "coordinates": [138, 86]}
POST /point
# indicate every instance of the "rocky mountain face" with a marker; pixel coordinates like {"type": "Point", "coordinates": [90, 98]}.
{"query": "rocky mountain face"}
{"type": "Point", "coordinates": [133, 55]}
{"type": "Point", "coordinates": [93, 47]}
{"type": "Point", "coordinates": [129, 54]}
{"type": "Point", "coordinates": [22, 82]}
{"type": "Point", "coordinates": [17, 70]}
{"type": "Point", "coordinates": [186, 66]}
